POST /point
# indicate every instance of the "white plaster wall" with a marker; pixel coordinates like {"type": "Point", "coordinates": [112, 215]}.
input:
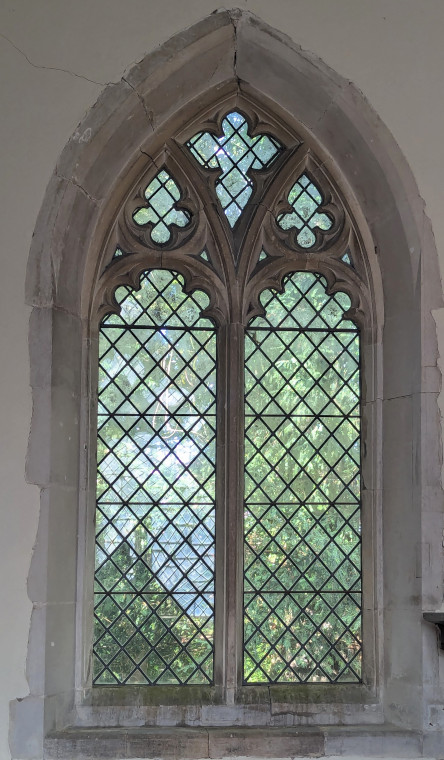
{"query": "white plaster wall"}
{"type": "Point", "coordinates": [50, 50]}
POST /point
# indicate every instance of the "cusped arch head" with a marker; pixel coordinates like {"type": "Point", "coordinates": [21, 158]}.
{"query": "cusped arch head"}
{"type": "Point", "coordinates": [196, 72]}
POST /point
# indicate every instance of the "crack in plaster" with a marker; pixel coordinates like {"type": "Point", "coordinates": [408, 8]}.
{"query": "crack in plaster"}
{"type": "Point", "coordinates": [234, 21]}
{"type": "Point", "coordinates": [148, 113]}
{"type": "Point", "coordinates": [333, 98]}
{"type": "Point", "coordinates": [144, 152]}
{"type": "Point", "coordinates": [51, 68]}
{"type": "Point", "coordinates": [323, 115]}
{"type": "Point", "coordinates": [79, 186]}
{"type": "Point", "coordinates": [235, 15]}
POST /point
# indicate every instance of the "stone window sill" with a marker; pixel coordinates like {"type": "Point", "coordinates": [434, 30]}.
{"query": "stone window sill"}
{"type": "Point", "coordinates": [193, 743]}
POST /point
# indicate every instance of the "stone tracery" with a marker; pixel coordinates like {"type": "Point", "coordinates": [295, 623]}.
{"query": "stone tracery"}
{"type": "Point", "coordinates": [234, 269]}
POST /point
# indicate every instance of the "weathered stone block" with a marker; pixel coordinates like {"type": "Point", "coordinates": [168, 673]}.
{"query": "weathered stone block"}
{"type": "Point", "coordinates": [258, 742]}
{"type": "Point", "coordinates": [167, 743]}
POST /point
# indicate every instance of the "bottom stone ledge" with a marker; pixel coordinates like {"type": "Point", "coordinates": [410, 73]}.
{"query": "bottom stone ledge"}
{"type": "Point", "coordinates": [204, 743]}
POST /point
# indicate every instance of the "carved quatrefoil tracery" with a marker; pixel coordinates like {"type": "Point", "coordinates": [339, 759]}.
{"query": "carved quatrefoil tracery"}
{"type": "Point", "coordinates": [234, 209]}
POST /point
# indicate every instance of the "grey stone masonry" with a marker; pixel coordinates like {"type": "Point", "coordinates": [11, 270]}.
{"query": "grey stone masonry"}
{"type": "Point", "coordinates": [234, 60]}
{"type": "Point", "coordinates": [178, 743]}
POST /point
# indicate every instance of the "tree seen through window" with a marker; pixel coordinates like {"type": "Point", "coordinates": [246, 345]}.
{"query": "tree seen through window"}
{"type": "Point", "coordinates": [222, 351]}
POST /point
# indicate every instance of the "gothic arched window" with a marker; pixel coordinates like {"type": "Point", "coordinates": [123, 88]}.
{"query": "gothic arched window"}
{"type": "Point", "coordinates": [237, 183]}
{"type": "Point", "coordinates": [229, 315]}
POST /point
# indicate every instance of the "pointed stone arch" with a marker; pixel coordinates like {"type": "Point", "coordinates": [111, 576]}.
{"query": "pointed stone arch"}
{"type": "Point", "coordinates": [231, 52]}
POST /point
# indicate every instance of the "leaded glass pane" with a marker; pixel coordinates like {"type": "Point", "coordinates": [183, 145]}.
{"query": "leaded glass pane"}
{"type": "Point", "coordinates": [162, 195]}
{"type": "Point", "coordinates": [347, 259]}
{"type": "Point", "coordinates": [302, 587]}
{"type": "Point", "coordinates": [235, 153]}
{"type": "Point", "coordinates": [154, 580]}
{"type": "Point", "coordinates": [306, 199]}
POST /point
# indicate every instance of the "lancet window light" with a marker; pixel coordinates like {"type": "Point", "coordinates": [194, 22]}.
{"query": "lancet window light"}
{"type": "Point", "coordinates": [230, 314]}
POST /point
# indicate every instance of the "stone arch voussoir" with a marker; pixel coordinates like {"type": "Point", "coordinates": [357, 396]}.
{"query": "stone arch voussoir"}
{"type": "Point", "coordinates": [227, 52]}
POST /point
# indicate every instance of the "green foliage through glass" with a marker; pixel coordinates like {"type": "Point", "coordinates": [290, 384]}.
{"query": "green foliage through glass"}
{"type": "Point", "coordinates": [234, 153]}
{"type": "Point", "coordinates": [306, 200]}
{"type": "Point", "coordinates": [162, 195]}
{"type": "Point", "coordinates": [302, 550]}
{"type": "Point", "coordinates": [154, 579]}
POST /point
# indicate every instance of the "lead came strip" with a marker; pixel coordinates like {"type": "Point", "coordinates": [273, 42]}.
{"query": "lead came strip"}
{"type": "Point", "coordinates": [302, 551]}
{"type": "Point", "coordinates": [154, 581]}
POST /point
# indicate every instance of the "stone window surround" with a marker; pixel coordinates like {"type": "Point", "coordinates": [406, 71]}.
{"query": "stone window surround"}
{"type": "Point", "coordinates": [234, 291]}
{"type": "Point", "coordinates": [99, 164]}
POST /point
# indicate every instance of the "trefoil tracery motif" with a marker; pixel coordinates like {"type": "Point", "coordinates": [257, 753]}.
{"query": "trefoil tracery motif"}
{"type": "Point", "coordinates": [253, 231]}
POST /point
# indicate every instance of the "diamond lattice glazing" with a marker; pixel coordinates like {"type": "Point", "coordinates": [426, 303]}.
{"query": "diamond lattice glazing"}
{"type": "Point", "coordinates": [302, 592]}
{"type": "Point", "coordinates": [154, 580]}
{"type": "Point", "coordinates": [306, 200]}
{"type": "Point", "coordinates": [162, 195]}
{"type": "Point", "coordinates": [235, 153]}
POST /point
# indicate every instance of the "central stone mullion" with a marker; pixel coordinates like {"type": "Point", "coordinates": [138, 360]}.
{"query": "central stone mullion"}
{"type": "Point", "coordinates": [229, 510]}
